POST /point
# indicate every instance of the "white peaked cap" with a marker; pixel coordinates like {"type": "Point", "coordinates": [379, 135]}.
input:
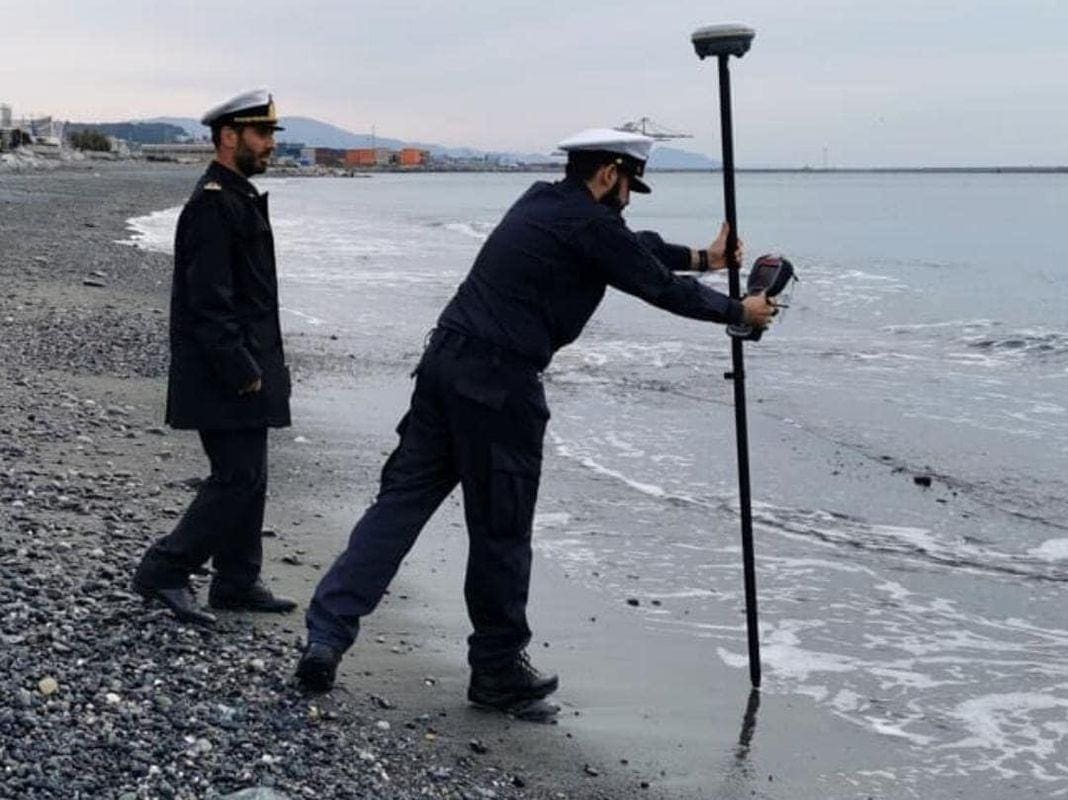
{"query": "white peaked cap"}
{"type": "Point", "coordinates": [628, 144]}
{"type": "Point", "coordinates": [255, 107]}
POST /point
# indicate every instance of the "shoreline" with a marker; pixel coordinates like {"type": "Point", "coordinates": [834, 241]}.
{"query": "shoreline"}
{"type": "Point", "coordinates": [125, 479]}
{"type": "Point", "coordinates": [19, 163]}
{"type": "Point", "coordinates": [651, 697]}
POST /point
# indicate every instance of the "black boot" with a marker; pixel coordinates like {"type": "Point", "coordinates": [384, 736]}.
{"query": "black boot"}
{"type": "Point", "coordinates": [179, 599]}
{"type": "Point", "coordinates": [318, 667]}
{"type": "Point", "coordinates": [256, 597]}
{"type": "Point", "coordinates": [511, 684]}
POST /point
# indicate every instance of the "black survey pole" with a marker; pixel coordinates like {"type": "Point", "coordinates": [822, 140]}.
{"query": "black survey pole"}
{"type": "Point", "coordinates": [723, 41]}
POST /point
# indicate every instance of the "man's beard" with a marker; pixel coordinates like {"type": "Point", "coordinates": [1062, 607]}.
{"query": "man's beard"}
{"type": "Point", "coordinates": [246, 161]}
{"type": "Point", "coordinates": [613, 197]}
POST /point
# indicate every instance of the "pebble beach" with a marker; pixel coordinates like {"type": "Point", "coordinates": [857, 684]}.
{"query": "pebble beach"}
{"type": "Point", "coordinates": [106, 697]}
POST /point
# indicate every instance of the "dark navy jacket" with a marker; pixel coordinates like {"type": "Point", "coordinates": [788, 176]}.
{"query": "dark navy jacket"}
{"type": "Point", "coordinates": [224, 311]}
{"type": "Point", "coordinates": [543, 271]}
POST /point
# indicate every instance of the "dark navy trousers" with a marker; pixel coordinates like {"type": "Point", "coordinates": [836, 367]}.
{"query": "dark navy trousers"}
{"type": "Point", "coordinates": [477, 419]}
{"type": "Point", "coordinates": [225, 519]}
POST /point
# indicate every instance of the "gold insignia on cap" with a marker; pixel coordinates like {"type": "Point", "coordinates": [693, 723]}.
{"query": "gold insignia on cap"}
{"type": "Point", "coordinates": [270, 116]}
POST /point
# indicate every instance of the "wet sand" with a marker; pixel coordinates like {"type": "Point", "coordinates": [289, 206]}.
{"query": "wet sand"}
{"type": "Point", "coordinates": [655, 709]}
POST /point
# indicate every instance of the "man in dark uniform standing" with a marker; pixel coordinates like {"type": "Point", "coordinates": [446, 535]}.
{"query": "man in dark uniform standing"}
{"type": "Point", "coordinates": [478, 412]}
{"type": "Point", "coordinates": [228, 377]}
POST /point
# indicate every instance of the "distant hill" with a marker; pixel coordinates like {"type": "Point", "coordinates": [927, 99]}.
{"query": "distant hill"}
{"type": "Point", "coordinates": [140, 132]}
{"type": "Point", "coordinates": [668, 158]}
{"type": "Point", "coordinates": [315, 133]}
{"type": "Point", "coordinates": [304, 130]}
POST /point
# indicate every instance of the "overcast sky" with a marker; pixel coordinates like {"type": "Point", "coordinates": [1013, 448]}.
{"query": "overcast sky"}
{"type": "Point", "coordinates": [869, 82]}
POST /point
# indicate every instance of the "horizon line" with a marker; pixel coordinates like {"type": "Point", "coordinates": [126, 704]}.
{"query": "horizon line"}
{"type": "Point", "coordinates": [975, 168]}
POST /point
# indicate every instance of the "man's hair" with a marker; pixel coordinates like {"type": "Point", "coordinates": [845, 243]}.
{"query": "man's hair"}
{"type": "Point", "coordinates": [583, 164]}
{"type": "Point", "coordinates": [216, 132]}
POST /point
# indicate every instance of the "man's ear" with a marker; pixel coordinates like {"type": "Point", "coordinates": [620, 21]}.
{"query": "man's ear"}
{"type": "Point", "coordinates": [228, 137]}
{"type": "Point", "coordinates": [610, 175]}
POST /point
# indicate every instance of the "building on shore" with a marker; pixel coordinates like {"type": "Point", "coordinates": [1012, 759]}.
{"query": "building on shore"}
{"type": "Point", "coordinates": [412, 157]}
{"type": "Point", "coordinates": [322, 157]}
{"type": "Point", "coordinates": [7, 128]}
{"type": "Point", "coordinates": [45, 131]}
{"type": "Point", "coordinates": [380, 157]}
{"type": "Point", "coordinates": [368, 157]}
{"type": "Point", "coordinates": [196, 152]}
{"type": "Point", "coordinates": [288, 154]}
{"type": "Point", "coordinates": [120, 147]}
{"type": "Point", "coordinates": [44, 134]}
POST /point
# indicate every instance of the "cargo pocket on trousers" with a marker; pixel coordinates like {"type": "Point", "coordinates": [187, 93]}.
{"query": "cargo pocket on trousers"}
{"type": "Point", "coordinates": [388, 475]}
{"type": "Point", "coordinates": [514, 491]}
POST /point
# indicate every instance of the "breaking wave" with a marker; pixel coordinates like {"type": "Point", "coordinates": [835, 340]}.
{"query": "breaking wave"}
{"type": "Point", "coordinates": [473, 230]}
{"type": "Point", "coordinates": [154, 231]}
{"type": "Point", "coordinates": [1026, 343]}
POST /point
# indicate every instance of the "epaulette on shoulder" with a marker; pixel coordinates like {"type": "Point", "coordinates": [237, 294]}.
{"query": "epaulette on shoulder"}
{"type": "Point", "coordinates": [212, 186]}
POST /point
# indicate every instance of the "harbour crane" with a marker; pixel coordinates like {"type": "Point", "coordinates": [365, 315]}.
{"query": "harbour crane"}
{"type": "Point", "coordinates": [646, 127]}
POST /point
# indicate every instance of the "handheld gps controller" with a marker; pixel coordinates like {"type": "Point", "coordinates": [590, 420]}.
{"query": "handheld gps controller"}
{"type": "Point", "coordinates": [774, 275]}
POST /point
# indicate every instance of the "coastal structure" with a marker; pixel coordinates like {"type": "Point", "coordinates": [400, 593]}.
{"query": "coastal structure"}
{"type": "Point", "coordinates": [412, 157]}
{"type": "Point", "coordinates": [120, 147]}
{"type": "Point", "coordinates": [382, 157]}
{"type": "Point", "coordinates": [647, 127]}
{"type": "Point", "coordinates": [365, 158]}
{"type": "Point", "coordinates": [6, 128]}
{"type": "Point", "coordinates": [288, 154]}
{"type": "Point", "coordinates": [44, 133]}
{"type": "Point", "coordinates": [190, 152]}
{"type": "Point", "coordinates": [158, 141]}
{"type": "Point", "coordinates": [294, 155]}
{"type": "Point", "coordinates": [322, 157]}
{"type": "Point", "coordinates": [368, 157]}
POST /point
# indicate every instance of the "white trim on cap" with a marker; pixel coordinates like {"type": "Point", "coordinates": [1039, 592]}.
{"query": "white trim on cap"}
{"type": "Point", "coordinates": [629, 144]}
{"type": "Point", "coordinates": [252, 99]}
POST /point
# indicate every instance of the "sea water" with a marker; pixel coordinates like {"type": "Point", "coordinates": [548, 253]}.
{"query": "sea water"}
{"type": "Point", "coordinates": [928, 339]}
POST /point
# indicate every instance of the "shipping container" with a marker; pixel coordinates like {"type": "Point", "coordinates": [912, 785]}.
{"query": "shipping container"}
{"type": "Point", "coordinates": [411, 157]}
{"type": "Point", "coordinates": [360, 157]}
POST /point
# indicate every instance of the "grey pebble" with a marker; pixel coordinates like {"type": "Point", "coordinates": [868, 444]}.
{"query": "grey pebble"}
{"type": "Point", "coordinates": [257, 793]}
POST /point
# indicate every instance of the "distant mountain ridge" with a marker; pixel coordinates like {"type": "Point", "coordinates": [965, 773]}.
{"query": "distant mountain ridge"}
{"type": "Point", "coordinates": [314, 133]}
{"type": "Point", "coordinates": [140, 132]}
{"type": "Point", "coordinates": [670, 158]}
{"type": "Point", "coordinates": [304, 130]}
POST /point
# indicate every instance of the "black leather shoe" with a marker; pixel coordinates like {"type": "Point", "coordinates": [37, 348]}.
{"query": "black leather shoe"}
{"type": "Point", "coordinates": [180, 600]}
{"type": "Point", "coordinates": [256, 597]}
{"type": "Point", "coordinates": [511, 684]}
{"type": "Point", "coordinates": [318, 667]}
